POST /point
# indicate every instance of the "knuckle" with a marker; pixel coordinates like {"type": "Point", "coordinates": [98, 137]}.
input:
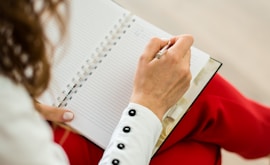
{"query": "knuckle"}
{"type": "Point", "coordinates": [154, 39]}
{"type": "Point", "coordinates": [142, 58]}
{"type": "Point", "coordinates": [187, 38]}
{"type": "Point", "coordinates": [176, 54]}
{"type": "Point", "coordinates": [172, 52]}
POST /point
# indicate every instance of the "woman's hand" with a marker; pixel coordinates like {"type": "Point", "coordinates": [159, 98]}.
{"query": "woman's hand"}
{"type": "Point", "coordinates": [160, 83]}
{"type": "Point", "coordinates": [54, 114]}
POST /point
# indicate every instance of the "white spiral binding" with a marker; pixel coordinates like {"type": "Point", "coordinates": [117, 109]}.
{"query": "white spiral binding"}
{"type": "Point", "coordinates": [101, 52]}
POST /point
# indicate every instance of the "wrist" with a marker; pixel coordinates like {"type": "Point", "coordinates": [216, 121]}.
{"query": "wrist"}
{"type": "Point", "coordinates": [153, 105]}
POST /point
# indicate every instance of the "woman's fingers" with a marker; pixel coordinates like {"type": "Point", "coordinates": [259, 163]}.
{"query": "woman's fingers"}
{"type": "Point", "coordinates": [181, 46]}
{"type": "Point", "coordinates": [152, 48]}
{"type": "Point", "coordinates": [160, 82]}
{"type": "Point", "coordinates": [54, 114]}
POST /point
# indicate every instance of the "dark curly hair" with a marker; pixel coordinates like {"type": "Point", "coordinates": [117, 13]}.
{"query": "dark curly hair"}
{"type": "Point", "coordinates": [24, 46]}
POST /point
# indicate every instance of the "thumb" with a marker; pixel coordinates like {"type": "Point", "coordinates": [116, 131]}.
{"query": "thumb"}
{"type": "Point", "coordinates": [54, 114]}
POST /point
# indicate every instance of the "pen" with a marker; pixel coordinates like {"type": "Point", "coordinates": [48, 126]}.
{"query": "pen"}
{"type": "Point", "coordinates": [163, 50]}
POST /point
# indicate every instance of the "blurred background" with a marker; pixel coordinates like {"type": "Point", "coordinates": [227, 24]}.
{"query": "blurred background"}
{"type": "Point", "coordinates": [236, 32]}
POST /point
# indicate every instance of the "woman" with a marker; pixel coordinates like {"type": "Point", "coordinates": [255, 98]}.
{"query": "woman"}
{"type": "Point", "coordinates": [25, 137]}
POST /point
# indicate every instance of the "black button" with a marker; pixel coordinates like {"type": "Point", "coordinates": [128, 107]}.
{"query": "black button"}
{"type": "Point", "coordinates": [120, 146]}
{"type": "Point", "coordinates": [115, 162]}
{"type": "Point", "coordinates": [126, 129]}
{"type": "Point", "coordinates": [132, 112]}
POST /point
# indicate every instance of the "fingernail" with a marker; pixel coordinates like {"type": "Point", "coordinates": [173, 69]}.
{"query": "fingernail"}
{"type": "Point", "coordinates": [68, 116]}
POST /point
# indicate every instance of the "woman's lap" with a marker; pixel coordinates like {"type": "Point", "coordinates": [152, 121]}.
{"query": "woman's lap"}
{"type": "Point", "coordinates": [213, 122]}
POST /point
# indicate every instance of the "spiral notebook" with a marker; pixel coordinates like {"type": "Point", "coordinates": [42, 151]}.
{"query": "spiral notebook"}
{"type": "Point", "coordinates": [92, 73]}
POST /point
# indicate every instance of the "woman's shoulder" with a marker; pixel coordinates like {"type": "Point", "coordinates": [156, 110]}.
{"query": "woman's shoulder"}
{"type": "Point", "coordinates": [14, 97]}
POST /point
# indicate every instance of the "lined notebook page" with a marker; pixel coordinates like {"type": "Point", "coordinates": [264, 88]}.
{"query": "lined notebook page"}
{"type": "Point", "coordinates": [90, 22]}
{"type": "Point", "coordinates": [98, 104]}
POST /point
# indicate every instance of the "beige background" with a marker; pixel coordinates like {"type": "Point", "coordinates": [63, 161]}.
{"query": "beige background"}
{"type": "Point", "coordinates": [236, 32]}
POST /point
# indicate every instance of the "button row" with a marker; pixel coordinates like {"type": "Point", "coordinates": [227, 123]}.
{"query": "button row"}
{"type": "Point", "coordinates": [126, 129]}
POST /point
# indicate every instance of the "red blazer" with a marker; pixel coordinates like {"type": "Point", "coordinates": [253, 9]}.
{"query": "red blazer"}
{"type": "Point", "coordinates": [220, 118]}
